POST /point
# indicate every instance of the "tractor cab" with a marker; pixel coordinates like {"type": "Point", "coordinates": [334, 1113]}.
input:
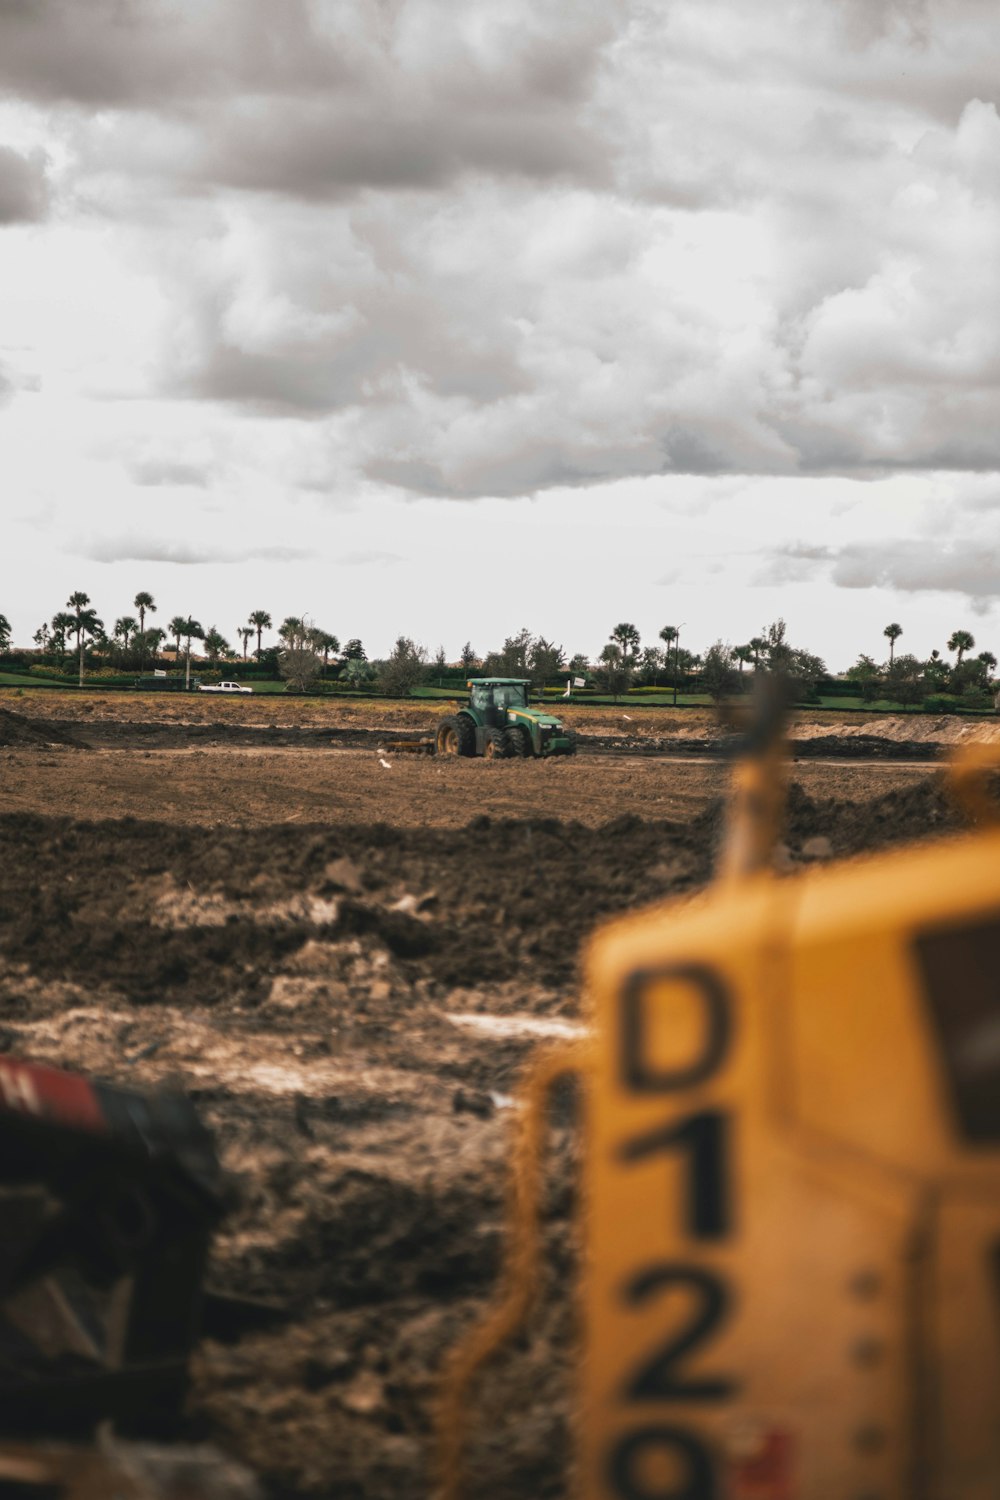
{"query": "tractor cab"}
{"type": "Point", "coordinates": [491, 698]}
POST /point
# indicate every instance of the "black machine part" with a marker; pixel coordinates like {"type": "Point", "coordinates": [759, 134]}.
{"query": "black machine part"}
{"type": "Point", "coordinates": [109, 1199]}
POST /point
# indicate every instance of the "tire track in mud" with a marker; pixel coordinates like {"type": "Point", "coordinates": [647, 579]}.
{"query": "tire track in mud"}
{"type": "Point", "coordinates": [125, 734]}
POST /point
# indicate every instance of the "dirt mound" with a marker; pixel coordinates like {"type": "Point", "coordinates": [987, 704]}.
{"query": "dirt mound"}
{"type": "Point", "coordinates": [18, 732]}
{"type": "Point", "coordinates": [190, 914]}
{"type": "Point", "coordinates": [943, 729]}
{"type": "Point", "coordinates": [898, 816]}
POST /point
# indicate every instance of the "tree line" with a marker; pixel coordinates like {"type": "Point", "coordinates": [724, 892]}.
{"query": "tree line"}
{"type": "Point", "coordinates": [909, 680]}
{"type": "Point", "coordinates": [304, 654]}
{"type": "Point", "coordinates": [131, 645]}
{"type": "Point", "coordinates": [722, 670]}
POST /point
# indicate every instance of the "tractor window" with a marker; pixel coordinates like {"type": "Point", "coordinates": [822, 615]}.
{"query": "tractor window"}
{"type": "Point", "coordinates": [510, 695]}
{"type": "Point", "coordinates": [480, 697]}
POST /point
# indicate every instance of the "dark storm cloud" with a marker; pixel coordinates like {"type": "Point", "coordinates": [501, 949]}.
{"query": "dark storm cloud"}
{"type": "Point", "coordinates": [147, 53]}
{"type": "Point", "coordinates": [166, 550]}
{"type": "Point", "coordinates": [329, 150]}
{"type": "Point", "coordinates": [24, 196]}
{"type": "Point", "coordinates": [322, 100]}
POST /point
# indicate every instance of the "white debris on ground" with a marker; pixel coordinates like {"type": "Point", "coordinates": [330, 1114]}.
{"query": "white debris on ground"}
{"type": "Point", "coordinates": [504, 1026]}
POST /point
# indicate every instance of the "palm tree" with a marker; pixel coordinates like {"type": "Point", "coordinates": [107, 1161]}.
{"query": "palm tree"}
{"type": "Point", "coordinates": [669, 635]}
{"type": "Point", "coordinates": [987, 662]}
{"type": "Point", "coordinates": [614, 670]}
{"type": "Point", "coordinates": [83, 622]}
{"type": "Point", "coordinates": [124, 627]}
{"type": "Point", "coordinates": [744, 655]}
{"type": "Point", "coordinates": [4, 633]}
{"type": "Point", "coordinates": [62, 624]}
{"type": "Point", "coordinates": [41, 637]}
{"type": "Point", "coordinates": [626, 637]}
{"type": "Point", "coordinates": [292, 631]}
{"type": "Point", "coordinates": [323, 641]}
{"type": "Point", "coordinates": [960, 641]}
{"type": "Point", "coordinates": [151, 641]}
{"type": "Point", "coordinates": [893, 632]}
{"type": "Point", "coordinates": [143, 602]}
{"type": "Point", "coordinates": [672, 635]}
{"type": "Point", "coordinates": [936, 668]}
{"type": "Point", "coordinates": [191, 631]}
{"type": "Point", "coordinates": [261, 621]}
{"type": "Point", "coordinates": [215, 643]}
{"type": "Point", "coordinates": [176, 629]}
{"type": "Point", "coordinates": [757, 645]}
{"type": "Point", "coordinates": [245, 632]}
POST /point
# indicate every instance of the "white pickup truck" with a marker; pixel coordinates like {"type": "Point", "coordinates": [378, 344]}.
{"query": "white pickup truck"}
{"type": "Point", "coordinates": [223, 687]}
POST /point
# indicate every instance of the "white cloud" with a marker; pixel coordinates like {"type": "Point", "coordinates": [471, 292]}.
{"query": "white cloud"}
{"type": "Point", "coordinates": [366, 559]}
{"type": "Point", "coordinates": [189, 553]}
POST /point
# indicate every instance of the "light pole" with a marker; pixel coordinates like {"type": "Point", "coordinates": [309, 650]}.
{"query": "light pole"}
{"type": "Point", "coordinates": [677, 657]}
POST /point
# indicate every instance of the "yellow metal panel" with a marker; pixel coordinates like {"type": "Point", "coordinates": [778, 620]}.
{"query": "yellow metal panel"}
{"type": "Point", "coordinates": [774, 1306]}
{"type": "Point", "coordinates": [866, 1065]}
{"type": "Point", "coordinates": [743, 1296]}
{"type": "Point", "coordinates": [962, 1309]}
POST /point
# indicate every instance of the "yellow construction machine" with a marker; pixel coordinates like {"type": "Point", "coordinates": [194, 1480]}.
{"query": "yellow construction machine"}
{"type": "Point", "coordinates": [791, 1215]}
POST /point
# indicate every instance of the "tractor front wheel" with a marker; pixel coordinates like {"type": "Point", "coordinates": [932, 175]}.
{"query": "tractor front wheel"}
{"type": "Point", "coordinates": [455, 736]}
{"type": "Point", "coordinates": [570, 735]}
{"type": "Point", "coordinates": [495, 746]}
{"type": "Point", "coordinates": [516, 741]}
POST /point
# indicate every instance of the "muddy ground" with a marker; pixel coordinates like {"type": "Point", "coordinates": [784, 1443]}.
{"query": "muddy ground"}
{"type": "Point", "coordinates": [347, 964]}
{"type": "Point", "coordinates": [152, 721]}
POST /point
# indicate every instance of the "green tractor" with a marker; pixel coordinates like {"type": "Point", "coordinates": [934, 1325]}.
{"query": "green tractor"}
{"type": "Point", "coordinates": [498, 723]}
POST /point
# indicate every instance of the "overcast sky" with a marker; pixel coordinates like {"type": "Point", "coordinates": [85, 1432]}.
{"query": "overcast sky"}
{"type": "Point", "coordinates": [444, 319]}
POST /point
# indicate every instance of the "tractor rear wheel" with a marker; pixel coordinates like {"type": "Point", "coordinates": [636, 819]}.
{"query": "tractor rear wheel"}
{"type": "Point", "coordinates": [495, 746]}
{"type": "Point", "coordinates": [516, 741]}
{"type": "Point", "coordinates": [455, 736]}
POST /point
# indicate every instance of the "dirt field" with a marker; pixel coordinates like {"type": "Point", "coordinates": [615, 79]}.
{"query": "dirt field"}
{"type": "Point", "coordinates": [347, 963]}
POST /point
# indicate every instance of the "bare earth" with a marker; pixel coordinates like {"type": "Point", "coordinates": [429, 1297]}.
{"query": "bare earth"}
{"type": "Point", "coordinates": [214, 786]}
{"type": "Point", "coordinates": [298, 934]}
